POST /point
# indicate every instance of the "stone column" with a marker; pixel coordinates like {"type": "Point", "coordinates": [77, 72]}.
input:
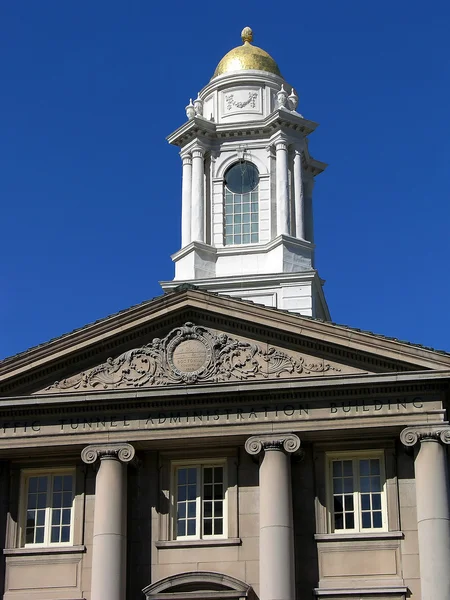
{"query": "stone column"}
{"type": "Point", "coordinates": [308, 186]}
{"type": "Point", "coordinates": [276, 526]}
{"type": "Point", "coordinates": [433, 507]}
{"type": "Point", "coordinates": [281, 149]}
{"type": "Point", "coordinates": [110, 519]}
{"type": "Point", "coordinates": [299, 205]}
{"type": "Point", "coordinates": [186, 200]}
{"type": "Point", "coordinates": [198, 195]}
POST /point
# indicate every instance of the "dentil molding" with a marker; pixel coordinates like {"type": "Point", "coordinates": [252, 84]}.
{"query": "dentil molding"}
{"type": "Point", "coordinates": [187, 355]}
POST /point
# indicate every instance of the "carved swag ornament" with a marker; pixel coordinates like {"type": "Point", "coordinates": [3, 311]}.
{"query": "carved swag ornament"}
{"type": "Point", "coordinates": [189, 354]}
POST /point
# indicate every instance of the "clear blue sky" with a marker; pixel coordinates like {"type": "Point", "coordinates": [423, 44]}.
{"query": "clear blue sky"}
{"type": "Point", "coordinates": [90, 190]}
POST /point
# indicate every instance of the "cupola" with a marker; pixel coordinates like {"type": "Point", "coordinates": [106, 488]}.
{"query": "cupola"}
{"type": "Point", "coordinates": [247, 186]}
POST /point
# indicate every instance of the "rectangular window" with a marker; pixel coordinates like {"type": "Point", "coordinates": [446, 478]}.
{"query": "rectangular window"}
{"type": "Point", "coordinates": [356, 491]}
{"type": "Point", "coordinates": [199, 501]}
{"type": "Point", "coordinates": [48, 508]}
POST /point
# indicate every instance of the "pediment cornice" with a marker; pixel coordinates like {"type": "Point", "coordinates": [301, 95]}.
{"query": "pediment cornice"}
{"type": "Point", "coordinates": [92, 345]}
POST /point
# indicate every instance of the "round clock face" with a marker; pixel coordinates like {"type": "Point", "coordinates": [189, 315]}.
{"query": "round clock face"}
{"type": "Point", "coordinates": [242, 177]}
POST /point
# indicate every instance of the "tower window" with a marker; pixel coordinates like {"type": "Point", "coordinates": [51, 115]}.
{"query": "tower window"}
{"type": "Point", "coordinates": [241, 204]}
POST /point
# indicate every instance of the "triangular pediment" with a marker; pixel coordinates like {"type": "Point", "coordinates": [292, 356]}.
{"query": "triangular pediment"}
{"type": "Point", "coordinates": [192, 337]}
{"type": "Point", "coordinates": [193, 354]}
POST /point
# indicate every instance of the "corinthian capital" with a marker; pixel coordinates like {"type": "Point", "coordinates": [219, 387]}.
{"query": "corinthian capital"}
{"type": "Point", "coordinates": [419, 433]}
{"type": "Point", "coordinates": [289, 442]}
{"type": "Point", "coordinates": [123, 452]}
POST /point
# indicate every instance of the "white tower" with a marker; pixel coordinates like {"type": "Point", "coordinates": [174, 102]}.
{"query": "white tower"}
{"type": "Point", "coordinates": [247, 219]}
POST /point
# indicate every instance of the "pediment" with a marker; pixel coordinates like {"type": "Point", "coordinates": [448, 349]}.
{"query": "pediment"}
{"type": "Point", "coordinates": [192, 354]}
{"type": "Point", "coordinates": [192, 337]}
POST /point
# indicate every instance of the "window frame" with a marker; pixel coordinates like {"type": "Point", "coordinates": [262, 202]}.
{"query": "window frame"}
{"type": "Point", "coordinates": [355, 456]}
{"type": "Point", "coordinates": [199, 464]}
{"type": "Point", "coordinates": [25, 476]}
{"type": "Point", "coordinates": [233, 214]}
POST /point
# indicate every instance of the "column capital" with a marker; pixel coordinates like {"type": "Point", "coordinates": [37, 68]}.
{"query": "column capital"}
{"type": "Point", "coordinates": [281, 144]}
{"type": "Point", "coordinates": [186, 158]}
{"type": "Point", "coordinates": [198, 152]}
{"type": "Point", "coordinates": [122, 452]}
{"type": "Point", "coordinates": [289, 442]}
{"type": "Point", "coordinates": [425, 433]}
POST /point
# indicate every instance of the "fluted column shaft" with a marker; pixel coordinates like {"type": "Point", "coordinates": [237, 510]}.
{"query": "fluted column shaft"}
{"type": "Point", "coordinates": [308, 186]}
{"type": "Point", "coordinates": [110, 520]}
{"type": "Point", "coordinates": [433, 508]}
{"type": "Point", "coordinates": [299, 204]}
{"type": "Point", "coordinates": [283, 226]}
{"type": "Point", "coordinates": [276, 533]}
{"type": "Point", "coordinates": [186, 200]}
{"type": "Point", "coordinates": [198, 196]}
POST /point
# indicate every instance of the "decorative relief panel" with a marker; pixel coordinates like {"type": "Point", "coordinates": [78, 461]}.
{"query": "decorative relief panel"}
{"type": "Point", "coordinates": [241, 100]}
{"type": "Point", "coordinates": [191, 354]}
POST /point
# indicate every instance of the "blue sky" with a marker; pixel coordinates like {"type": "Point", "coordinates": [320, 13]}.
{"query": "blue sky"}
{"type": "Point", "coordinates": [90, 190]}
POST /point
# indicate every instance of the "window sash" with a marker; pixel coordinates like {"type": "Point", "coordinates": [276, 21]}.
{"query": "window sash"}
{"type": "Point", "coordinates": [52, 508]}
{"type": "Point", "coordinates": [202, 503]}
{"type": "Point", "coordinates": [357, 497]}
{"type": "Point", "coordinates": [241, 217]}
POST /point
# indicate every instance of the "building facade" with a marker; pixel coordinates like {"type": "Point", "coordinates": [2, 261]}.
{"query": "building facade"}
{"type": "Point", "coordinates": [226, 439]}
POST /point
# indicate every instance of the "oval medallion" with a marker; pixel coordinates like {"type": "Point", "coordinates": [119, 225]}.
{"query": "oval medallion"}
{"type": "Point", "coordinates": [190, 356]}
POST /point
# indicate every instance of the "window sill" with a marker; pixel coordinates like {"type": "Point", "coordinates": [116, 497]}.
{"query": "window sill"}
{"type": "Point", "coordinates": [198, 543]}
{"type": "Point", "coordinates": [44, 550]}
{"type": "Point", "coordinates": [341, 537]}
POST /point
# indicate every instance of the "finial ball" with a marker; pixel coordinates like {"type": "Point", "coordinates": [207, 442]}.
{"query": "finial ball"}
{"type": "Point", "coordinates": [247, 34]}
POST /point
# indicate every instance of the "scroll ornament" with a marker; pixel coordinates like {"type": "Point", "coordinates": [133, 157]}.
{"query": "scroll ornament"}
{"type": "Point", "coordinates": [289, 442]}
{"type": "Point", "coordinates": [123, 452]}
{"type": "Point", "coordinates": [412, 435]}
{"type": "Point", "coordinates": [187, 355]}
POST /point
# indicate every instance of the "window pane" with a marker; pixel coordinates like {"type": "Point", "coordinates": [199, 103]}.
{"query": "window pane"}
{"type": "Point", "coordinates": [42, 484]}
{"type": "Point", "coordinates": [364, 467]}
{"type": "Point", "coordinates": [339, 521]}
{"type": "Point", "coordinates": [181, 527]}
{"type": "Point", "coordinates": [218, 527]}
{"type": "Point", "coordinates": [349, 521]}
{"type": "Point", "coordinates": [365, 501]}
{"type": "Point", "coordinates": [192, 476]}
{"type": "Point", "coordinates": [377, 520]}
{"type": "Point", "coordinates": [375, 466]}
{"type": "Point", "coordinates": [207, 509]}
{"type": "Point", "coordinates": [207, 527]}
{"type": "Point", "coordinates": [347, 468]}
{"type": "Point", "coordinates": [192, 508]}
{"type": "Point", "coordinates": [39, 539]}
{"type": "Point", "coordinates": [192, 492]}
{"type": "Point", "coordinates": [348, 485]}
{"type": "Point", "coordinates": [366, 520]}
{"type": "Point", "coordinates": [349, 503]}
{"type": "Point", "coordinates": [65, 535]}
{"type": "Point", "coordinates": [242, 177]}
{"type": "Point", "coordinates": [337, 468]}
{"type": "Point", "coordinates": [57, 483]}
{"type": "Point", "coordinates": [191, 527]}
{"type": "Point", "coordinates": [376, 501]}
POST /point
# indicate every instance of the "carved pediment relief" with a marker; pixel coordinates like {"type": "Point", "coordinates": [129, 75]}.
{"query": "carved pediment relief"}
{"type": "Point", "coordinates": [192, 354]}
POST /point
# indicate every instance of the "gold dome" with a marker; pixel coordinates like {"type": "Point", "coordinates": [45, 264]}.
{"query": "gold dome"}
{"type": "Point", "coordinates": [246, 57]}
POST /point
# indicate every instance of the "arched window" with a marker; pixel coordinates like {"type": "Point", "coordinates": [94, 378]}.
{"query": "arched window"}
{"type": "Point", "coordinates": [241, 204]}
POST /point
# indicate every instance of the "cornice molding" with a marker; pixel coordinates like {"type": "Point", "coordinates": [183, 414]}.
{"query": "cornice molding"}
{"type": "Point", "coordinates": [287, 442]}
{"type": "Point", "coordinates": [115, 331]}
{"type": "Point", "coordinates": [123, 452]}
{"type": "Point", "coordinates": [423, 433]}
